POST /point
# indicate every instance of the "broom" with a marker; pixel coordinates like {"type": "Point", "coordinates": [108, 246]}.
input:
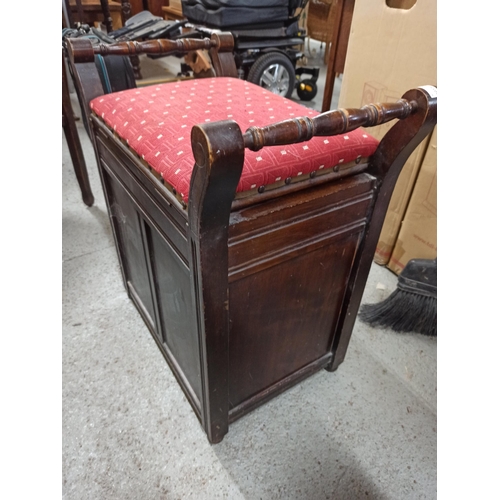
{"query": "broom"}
{"type": "Point", "coordinates": [412, 307]}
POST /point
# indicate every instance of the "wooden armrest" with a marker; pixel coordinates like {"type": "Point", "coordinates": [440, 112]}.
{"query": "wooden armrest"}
{"type": "Point", "coordinates": [326, 124]}
{"type": "Point", "coordinates": [417, 109]}
{"type": "Point", "coordinates": [219, 155]}
{"type": "Point", "coordinates": [82, 50]}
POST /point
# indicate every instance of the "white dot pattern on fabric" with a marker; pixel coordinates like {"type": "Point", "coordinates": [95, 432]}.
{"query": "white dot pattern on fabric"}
{"type": "Point", "coordinates": [158, 141]}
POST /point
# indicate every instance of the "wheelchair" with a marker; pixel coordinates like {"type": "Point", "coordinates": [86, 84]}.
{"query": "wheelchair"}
{"type": "Point", "coordinates": [267, 45]}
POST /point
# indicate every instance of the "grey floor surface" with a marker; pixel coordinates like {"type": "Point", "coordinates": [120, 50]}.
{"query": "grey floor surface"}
{"type": "Point", "coordinates": [367, 431]}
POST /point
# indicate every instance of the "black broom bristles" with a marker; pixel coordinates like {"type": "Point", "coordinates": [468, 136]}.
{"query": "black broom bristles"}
{"type": "Point", "coordinates": [403, 312]}
{"type": "Point", "coordinates": [412, 307]}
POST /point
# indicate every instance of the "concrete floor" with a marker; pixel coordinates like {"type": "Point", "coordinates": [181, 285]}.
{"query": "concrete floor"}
{"type": "Point", "coordinates": [367, 431]}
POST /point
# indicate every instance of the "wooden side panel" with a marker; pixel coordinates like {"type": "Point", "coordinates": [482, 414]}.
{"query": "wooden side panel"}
{"type": "Point", "coordinates": [260, 234]}
{"type": "Point", "coordinates": [283, 317]}
{"type": "Point", "coordinates": [176, 311]}
{"type": "Point", "coordinates": [127, 225]}
{"type": "Point", "coordinates": [290, 263]}
{"type": "Point", "coordinates": [151, 247]}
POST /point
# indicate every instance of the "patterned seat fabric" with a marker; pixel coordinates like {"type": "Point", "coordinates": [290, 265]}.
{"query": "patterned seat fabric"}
{"type": "Point", "coordinates": [156, 123]}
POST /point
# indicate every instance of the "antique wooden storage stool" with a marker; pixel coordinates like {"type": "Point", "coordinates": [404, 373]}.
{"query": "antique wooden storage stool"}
{"type": "Point", "coordinates": [246, 253]}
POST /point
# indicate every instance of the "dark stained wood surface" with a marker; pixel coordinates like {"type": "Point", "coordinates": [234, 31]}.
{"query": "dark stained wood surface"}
{"type": "Point", "coordinates": [108, 20]}
{"type": "Point", "coordinates": [326, 124]}
{"type": "Point", "coordinates": [272, 283]}
{"type": "Point", "coordinates": [391, 155]}
{"type": "Point", "coordinates": [73, 140]}
{"type": "Point", "coordinates": [90, 12]}
{"type": "Point", "coordinates": [160, 46]}
{"type": "Point", "coordinates": [219, 162]}
{"type": "Point", "coordinates": [338, 48]}
{"type": "Point", "coordinates": [299, 260]}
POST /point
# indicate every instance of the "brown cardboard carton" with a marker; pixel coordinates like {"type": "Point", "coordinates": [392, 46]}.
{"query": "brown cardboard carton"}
{"type": "Point", "coordinates": [417, 238]}
{"type": "Point", "coordinates": [391, 50]}
{"type": "Point", "coordinates": [175, 4]}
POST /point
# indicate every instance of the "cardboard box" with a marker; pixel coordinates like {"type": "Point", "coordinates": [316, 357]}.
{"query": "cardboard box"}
{"type": "Point", "coordinates": [417, 238]}
{"type": "Point", "coordinates": [175, 4]}
{"type": "Point", "coordinates": [391, 50]}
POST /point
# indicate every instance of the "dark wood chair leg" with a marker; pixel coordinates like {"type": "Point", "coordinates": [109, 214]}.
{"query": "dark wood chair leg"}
{"type": "Point", "coordinates": [136, 66]}
{"type": "Point", "coordinates": [108, 20]}
{"type": "Point", "coordinates": [126, 15]}
{"type": "Point", "coordinates": [74, 145]}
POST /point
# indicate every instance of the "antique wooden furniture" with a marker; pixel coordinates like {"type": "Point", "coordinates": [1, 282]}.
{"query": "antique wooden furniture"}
{"type": "Point", "coordinates": [337, 47]}
{"type": "Point", "coordinates": [248, 276]}
{"type": "Point", "coordinates": [329, 22]}
{"type": "Point", "coordinates": [73, 141]}
{"type": "Point", "coordinates": [97, 11]}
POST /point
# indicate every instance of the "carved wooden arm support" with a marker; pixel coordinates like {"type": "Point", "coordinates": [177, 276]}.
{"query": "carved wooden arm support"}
{"type": "Point", "coordinates": [416, 110]}
{"type": "Point", "coordinates": [82, 50]}
{"type": "Point", "coordinates": [219, 162]}
{"type": "Point", "coordinates": [160, 46]}
{"type": "Point", "coordinates": [386, 164]}
{"type": "Point", "coordinates": [326, 124]}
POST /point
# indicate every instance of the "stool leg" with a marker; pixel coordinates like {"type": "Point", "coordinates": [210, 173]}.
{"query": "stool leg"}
{"type": "Point", "coordinates": [136, 65]}
{"type": "Point", "coordinates": [126, 14]}
{"type": "Point", "coordinates": [108, 20]}
{"type": "Point", "coordinates": [74, 146]}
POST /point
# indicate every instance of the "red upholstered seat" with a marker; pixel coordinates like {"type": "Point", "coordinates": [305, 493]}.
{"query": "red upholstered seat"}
{"type": "Point", "coordinates": [156, 122]}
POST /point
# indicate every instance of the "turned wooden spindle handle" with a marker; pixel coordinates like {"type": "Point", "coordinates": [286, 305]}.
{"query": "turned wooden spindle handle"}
{"type": "Point", "coordinates": [160, 46]}
{"type": "Point", "coordinates": [326, 124]}
{"type": "Point", "coordinates": [220, 45]}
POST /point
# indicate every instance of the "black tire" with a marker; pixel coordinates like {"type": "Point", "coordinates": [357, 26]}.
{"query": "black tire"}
{"type": "Point", "coordinates": [275, 72]}
{"type": "Point", "coordinates": [307, 90]}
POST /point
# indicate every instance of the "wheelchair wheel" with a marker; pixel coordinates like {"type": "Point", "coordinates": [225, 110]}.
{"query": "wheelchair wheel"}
{"type": "Point", "coordinates": [275, 72]}
{"type": "Point", "coordinates": [307, 90]}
